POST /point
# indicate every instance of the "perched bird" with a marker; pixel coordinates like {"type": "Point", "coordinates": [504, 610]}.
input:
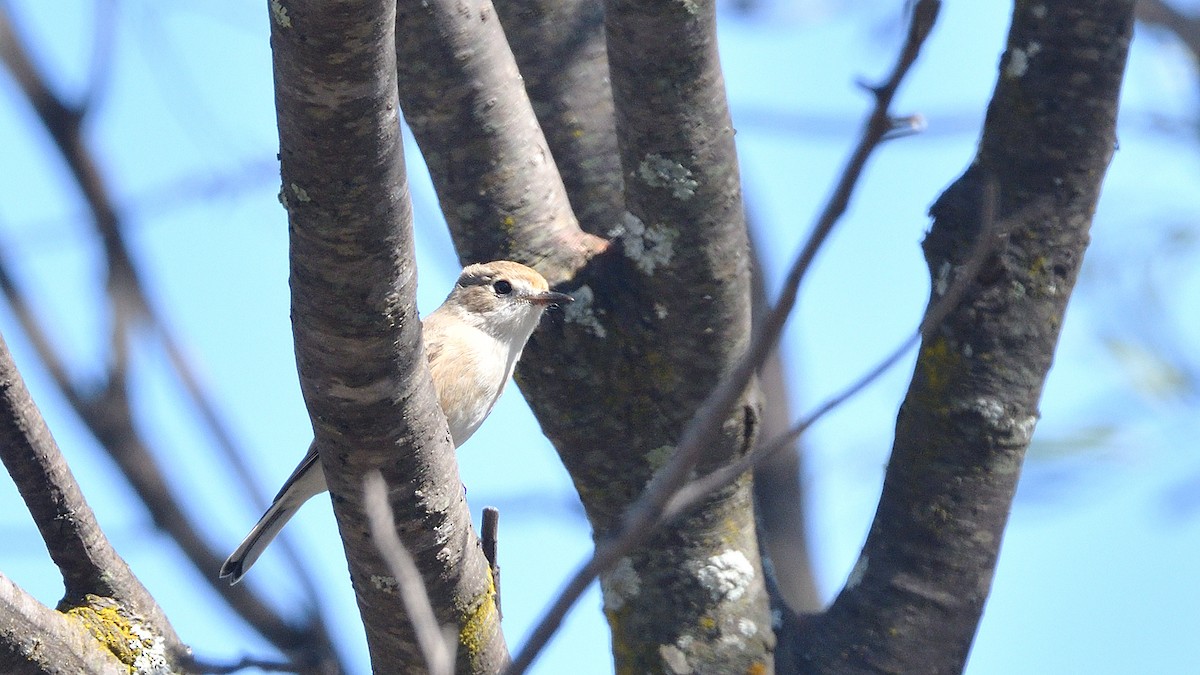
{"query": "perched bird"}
{"type": "Point", "coordinates": [472, 341]}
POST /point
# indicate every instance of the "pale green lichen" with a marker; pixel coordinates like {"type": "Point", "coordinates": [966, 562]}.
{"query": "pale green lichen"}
{"type": "Point", "coordinates": [1018, 59]}
{"type": "Point", "coordinates": [150, 649]}
{"type": "Point", "coordinates": [649, 247]}
{"type": "Point", "coordinates": [620, 584]}
{"type": "Point", "coordinates": [280, 14]}
{"type": "Point", "coordinates": [657, 457]}
{"type": "Point", "coordinates": [726, 576]}
{"type": "Point", "coordinates": [300, 193]}
{"type": "Point", "coordinates": [941, 283]}
{"type": "Point", "coordinates": [385, 583]}
{"type": "Point", "coordinates": [583, 313]}
{"type": "Point", "coordinates": [660, 172]}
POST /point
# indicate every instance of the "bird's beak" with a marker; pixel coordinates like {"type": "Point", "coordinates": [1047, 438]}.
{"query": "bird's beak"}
{"type": "Point", "coordinates": [551, 298]}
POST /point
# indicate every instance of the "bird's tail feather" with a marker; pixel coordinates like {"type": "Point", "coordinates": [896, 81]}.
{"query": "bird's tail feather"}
{"type": "Point", "coordinates": [307, 480]}
{"type": "Point", "coordinates": [256, 542]}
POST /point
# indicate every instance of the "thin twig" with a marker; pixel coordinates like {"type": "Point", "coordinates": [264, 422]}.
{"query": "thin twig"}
{"type": "Point", "coordinates": [991, 234]}
{"type": "Point", "coordinates": [195, 665]}
{"type": "Point", "coordinates": [437, 642]}
{"type": "Point", "coordinates": [1185, 26]}
{"type": "Point", "coordinates": [644, 513]}
{"type": "Point", "coordinates": [691, 494]}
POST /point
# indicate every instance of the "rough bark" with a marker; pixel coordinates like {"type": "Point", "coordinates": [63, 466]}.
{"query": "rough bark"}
{"type": "Point", "coordinates": [559, 47]}
{"type": "Point", "coordinates": [914, 599]}
{"type": "Point", "coordinates": [657, 320]}
{"type": "Point", "coordinates": [464, 99]}
{"type": "Point", "coordinates": [686, 239]}
{"type": "Point", "coordinates": [362, 367]}
{"type": "Point", "coordinates": [36, 640]}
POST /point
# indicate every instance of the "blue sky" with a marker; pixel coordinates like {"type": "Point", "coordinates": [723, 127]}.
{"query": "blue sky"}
{"type": "Point", "coordinates": [1097, 570]}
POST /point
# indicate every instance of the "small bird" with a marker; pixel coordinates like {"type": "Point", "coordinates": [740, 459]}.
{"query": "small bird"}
{"type": "Point", "coordinates": [472, 341]}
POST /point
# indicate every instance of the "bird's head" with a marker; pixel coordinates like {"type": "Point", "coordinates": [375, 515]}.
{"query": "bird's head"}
{"type": "Point", "coordinates": [503, 298]}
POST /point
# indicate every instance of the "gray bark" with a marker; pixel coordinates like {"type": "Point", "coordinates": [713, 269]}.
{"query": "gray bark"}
{"type": "Point", "coordinates": [914, 599]}
{"type": "Point", "coordinates": [362, 366]}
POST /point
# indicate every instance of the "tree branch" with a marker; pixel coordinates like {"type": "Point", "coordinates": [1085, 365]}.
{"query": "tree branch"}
{"type": "Point", "coordinates": [644, 514]}
{"type": "Point", "coordinates": [493, 171]}
{"type": "Point", "coordinates": [36, 640]}
{"type": "Point", "coordinates": [1160, 13]}
{"type": "Point", "coordinates": [914, 599]}
{"type": "Point", "coordinates": [779, 502]}
{"type": "Point", "coordinates": [363, 370]}
{"type": "Point", "coordinates": [560, 48]}
{"type": "Point", "coordinates": [89, 565]}
{"type": "Point", "coordinates": [105, 409]}
{"type": "Point", "coordinates": [436, 642]}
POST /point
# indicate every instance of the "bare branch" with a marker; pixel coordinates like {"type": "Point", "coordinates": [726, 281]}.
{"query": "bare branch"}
{"type": "Point", "coordinates": [560, 48]}
{"type": "Point", "coordinates": [914, 598]}
{"type": "Point", "coordinates": [779, 504]}
{"type": "Point", "coordinates": [488, 537]}
{"type": "Point", "coordinates": [1161, 13]}
{"type": "Point", "coordinates": [992, 234]}
{"type": "Point", "coordinates": [195, 665]}
{"type": "Point", "coordinates": [89, 565]}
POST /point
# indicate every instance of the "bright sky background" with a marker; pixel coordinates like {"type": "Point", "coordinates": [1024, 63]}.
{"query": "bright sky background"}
{"type": "Point", "coordinates": [1098, 570]}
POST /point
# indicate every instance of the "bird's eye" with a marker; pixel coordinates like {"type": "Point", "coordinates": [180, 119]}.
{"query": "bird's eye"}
{"type": "Point", "coordinates": [502, 287]}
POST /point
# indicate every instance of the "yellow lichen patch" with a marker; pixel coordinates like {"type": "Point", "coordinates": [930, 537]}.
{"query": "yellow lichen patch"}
{"type": "Point", "coordinates": [937, 361]}
{"type": "Point", "coordinates": [623, 652]}
{"type": "Point", "coordinates": [757, 668]}
{"type": "Point", "coordinates": [479, 620]}
{"type": "Point", "coordinates": [1038, 266]}
{"type": "Point", "coordinates": [707, 622]}
{"type": "Point", "coordinates": [122, 633]}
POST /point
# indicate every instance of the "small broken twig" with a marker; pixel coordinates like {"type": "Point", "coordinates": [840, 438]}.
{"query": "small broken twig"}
{"type": "Point", "coordinates": [489, 536]}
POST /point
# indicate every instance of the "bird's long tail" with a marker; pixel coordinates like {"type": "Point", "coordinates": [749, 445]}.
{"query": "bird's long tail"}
{"type": "Point", "coordinates": [307, 480]}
